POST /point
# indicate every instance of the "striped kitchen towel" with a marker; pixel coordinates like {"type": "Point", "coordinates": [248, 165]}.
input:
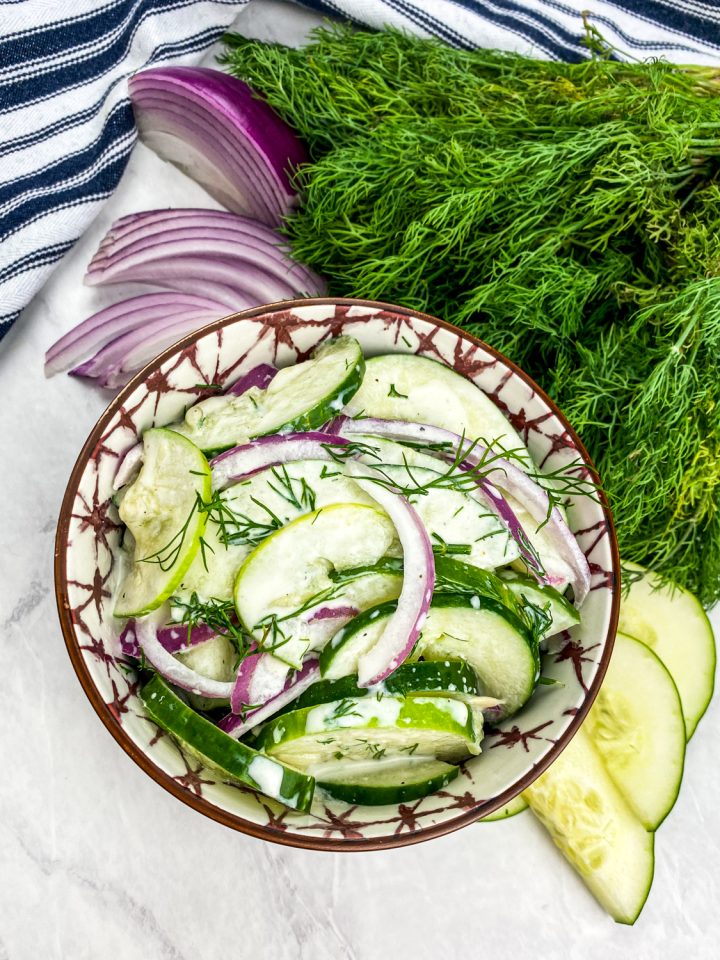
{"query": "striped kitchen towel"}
{"type": "Point", "coordinates": [66, 127]}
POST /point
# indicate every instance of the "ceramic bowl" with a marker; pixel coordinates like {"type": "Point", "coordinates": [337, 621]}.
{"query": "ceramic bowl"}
{"type": "Point", "coordinates": [87, 544]}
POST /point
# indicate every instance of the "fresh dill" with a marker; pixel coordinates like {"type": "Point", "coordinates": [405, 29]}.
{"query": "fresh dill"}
{"type": "Point", "coordinates": [567, 213]}
{"type": "Point", "coordinates": [393, 392]}
{"type": "Point", "coordinates": [217, 614]}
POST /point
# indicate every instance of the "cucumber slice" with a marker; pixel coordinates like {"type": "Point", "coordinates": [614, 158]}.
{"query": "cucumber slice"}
{"type": "Point", "coordinates": [393, 782]}
{"type": "Point", "coordinates": [407, 387]}
{"type": "Point", "coordinates": [341, 655]}
{"type": "Point", "coordinates": [287, 576]}
{"type": "Point", "coordinates": [511, 809]}
{"type": "Point", "coordinates": [260, 505]}
{"type": "Point", "coordinates": [636, 724]}
{"type": "Point", "coordinates": [230, 758]}
{"type": "Point", "coordinates": [454, 520]}
{"type": "Point", "coordinates": [491, 639]}
{"type": "Point", "coordinates": [589, 820]}
{"type": "Point", "coordinates": [301, 397]}
{"type": "Point", "coordinates": [373, 728]}
{"type": "Point", "coordinates": [563, 613]}
{"type": "Point", "coordinates": [161, 512]}
{"type": "Point", "coordinates": [449, 677]}
{"type": "Point", "coordinates": [672, 622]}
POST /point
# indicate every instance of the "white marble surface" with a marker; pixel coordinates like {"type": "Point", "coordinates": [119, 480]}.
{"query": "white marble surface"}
{"type": "Point", "coordinates": [96, 861]}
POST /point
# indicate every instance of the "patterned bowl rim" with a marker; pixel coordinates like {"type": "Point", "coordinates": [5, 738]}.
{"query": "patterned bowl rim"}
{"type": "Point", "coordinates": [225, 817]}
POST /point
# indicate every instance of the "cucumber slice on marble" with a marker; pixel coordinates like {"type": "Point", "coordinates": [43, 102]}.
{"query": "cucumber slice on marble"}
{"type": "Point", "coordinates": [161, 512]}
{"type": "Point", "coordinates": [380, 783]}
{"type": "Point", "coordinates": [371, 729]}
{"type": "Point", "coordinates": [408, 387]}
{"type": "Point", "coordinates": [230, 758]}
{"type": "Point", "coordinates": [636, 724]}
{"type": "Point", "coordinates": [287, 576]}
{"type": "Point", "coordinates": [592, 824]}
{"type": "Point", "coordinates": [301, 397]}
{"type": "Point", "coordinates": [672, 622]}
{"type": "Point", "coordinates": [490, 638]}
{"type": "Point", "coordinates": [511, 809]}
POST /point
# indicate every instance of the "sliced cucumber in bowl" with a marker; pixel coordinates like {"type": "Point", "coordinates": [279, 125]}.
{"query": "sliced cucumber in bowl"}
{"type": "Point", "coordinates": [231, 759]}
{"type": "Point", "coordinates": [393, 782]}
{"type": "Point", "coordinates": [301, 397]}
{"type": "Point", "coordinates": [162, 512]}
{"type": "Point", "coordinates": [491, 639]}
{"type": "Point", "coordinates": [409, 387]}
{"type": "Point", "coordinates": [445, 677]}
{"type": "Point", "coordinates": [373, 728]}
{"type": "Point", "coordinates": [288, 575]}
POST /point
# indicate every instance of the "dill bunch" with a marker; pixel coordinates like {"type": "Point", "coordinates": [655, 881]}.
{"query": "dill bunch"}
{"type": "Point", "coordinates": [568, 214]}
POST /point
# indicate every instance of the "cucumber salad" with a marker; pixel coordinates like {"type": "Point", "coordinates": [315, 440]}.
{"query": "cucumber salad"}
{"type": "Point", "coordinates": [335, 574]}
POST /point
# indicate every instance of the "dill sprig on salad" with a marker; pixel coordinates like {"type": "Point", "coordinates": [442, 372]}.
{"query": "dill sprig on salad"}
{"type": "Point", "coordinates": [353, 587]}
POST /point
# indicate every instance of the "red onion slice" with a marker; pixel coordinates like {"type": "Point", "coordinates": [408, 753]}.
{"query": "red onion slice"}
{"type": "Point", "coordinates": [221, 243]}
{"type": "Point", "coordinates": [173, 670]}
{"type": "Point", "coordinates": [146, 223]}
{"type": "Point", "coordinates": [249, 283]}
{"type": "Point", "coordinates": [241, 182]}
{"type": "Point", "coordinates": [504, 475]}
{"type": "Point", "coordinates": [237, 725]}
{"type": "Point", "coordinates": [237, 463]}
{"type": "Point", "coordinates": [260, 376]}
{"type": "Point", "coordinates": [174, 637]}
{"type": "Point", "coordinates": [260, 677]}
{"type": "Point", "coordinates": [404, 626]}
{"type": "Point", "coordinates": [110, 322]}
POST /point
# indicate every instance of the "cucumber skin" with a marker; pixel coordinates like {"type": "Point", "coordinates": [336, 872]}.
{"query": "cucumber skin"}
{"type": "Point", "coordinates": [445, 600]}
{"type": "Point", "coordinates": [325, 691]}
{"type": "Point", "coordinates": [380, 795]}
{"type": "Point", "coordinates": [292, 726]}
{"type": "Point", "coordinates": [325, 411]}
{"type": "Point", "coordinates": [175, 717]}
{"type": "Point", "coordinates": [379, 612]}
{"type": "Point", "coordinates": [515, 806]}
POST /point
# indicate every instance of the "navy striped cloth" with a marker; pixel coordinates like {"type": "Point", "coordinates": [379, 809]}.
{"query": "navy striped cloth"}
{"type": "Point", "coordinates": [66, 127]}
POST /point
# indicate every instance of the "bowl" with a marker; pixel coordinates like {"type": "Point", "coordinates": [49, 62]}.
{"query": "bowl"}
{"type": "Point", "coordinates": [87, 543]}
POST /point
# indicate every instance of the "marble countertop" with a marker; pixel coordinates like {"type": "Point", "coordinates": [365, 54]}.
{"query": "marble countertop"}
{"type": "Point", "coordinates": [96, 861]}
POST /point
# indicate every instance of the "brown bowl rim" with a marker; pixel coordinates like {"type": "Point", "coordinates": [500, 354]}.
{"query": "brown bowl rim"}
{"type": "Point", "coordinates": [200, 804]}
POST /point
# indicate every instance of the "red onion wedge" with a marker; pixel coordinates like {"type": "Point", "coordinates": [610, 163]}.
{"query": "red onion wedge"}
{"type": "Point", "coordinates": [238, 725]}
{"type": "Point", "coordinates": [502, 474]}
{"type": "Point", "coordinates": [404, 626]}
{"type": "Point", "coordinates": [110, 322]}
{"type": "Point", "coordinates": [252, 153]}
{"type": "Point", "coordinates": [146, 630]}
{"type": "Point", "coordinates": [260, 376]}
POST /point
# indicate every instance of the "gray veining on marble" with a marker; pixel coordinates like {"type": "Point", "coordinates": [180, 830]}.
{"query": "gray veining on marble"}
{"type": "Point", "coordinates": [97, 862]}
